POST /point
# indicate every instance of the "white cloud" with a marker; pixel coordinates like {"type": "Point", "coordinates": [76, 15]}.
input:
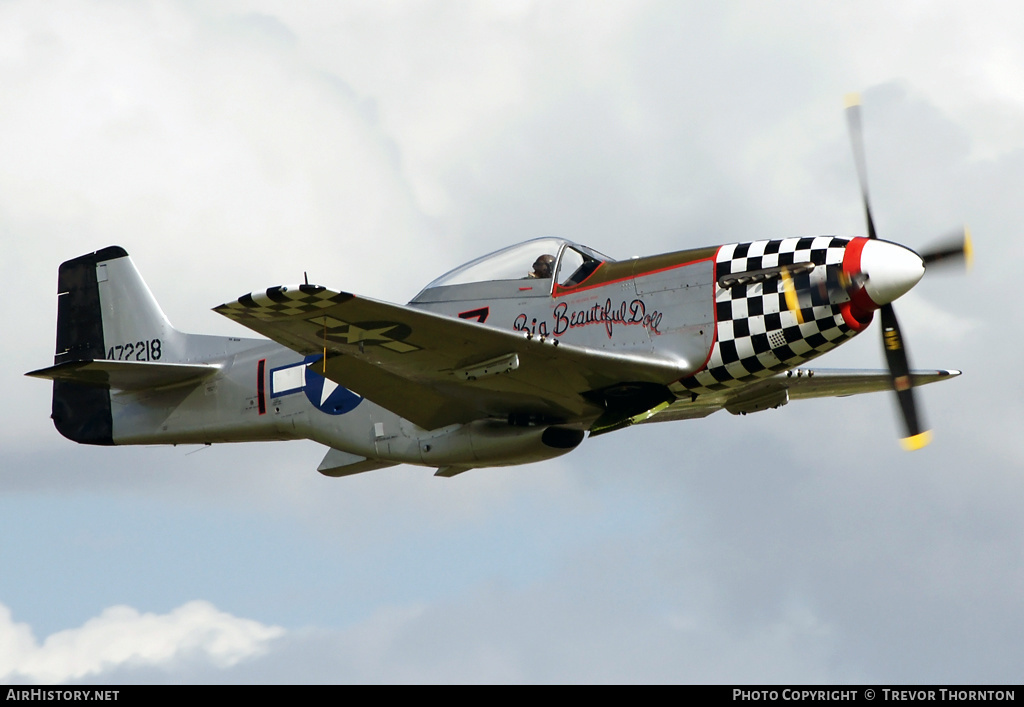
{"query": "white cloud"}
{"type": "Point", "coordinates": [121, 637]}
{"type": "Point", "coordinates": [376, 145]}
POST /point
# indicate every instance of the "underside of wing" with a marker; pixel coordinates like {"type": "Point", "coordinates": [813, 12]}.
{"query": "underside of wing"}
{"type": "Point", "coordinates": [831, 382]}
{"type": "Point", "coordinates": [798, 384]}
{"type": "Point", "coordinates": [436, 370]}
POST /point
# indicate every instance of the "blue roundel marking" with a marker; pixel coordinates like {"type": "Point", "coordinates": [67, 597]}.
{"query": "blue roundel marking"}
{"type": "Point", "coordinates": [326, 395]}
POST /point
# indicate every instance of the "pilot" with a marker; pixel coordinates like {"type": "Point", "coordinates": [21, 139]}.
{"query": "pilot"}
{"type": "Point", "coordinates": [543, 266]}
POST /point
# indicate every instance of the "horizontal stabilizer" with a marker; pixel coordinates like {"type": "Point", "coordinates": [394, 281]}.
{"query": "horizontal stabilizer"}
{"type": "Point", "coordinates": [126, 375]}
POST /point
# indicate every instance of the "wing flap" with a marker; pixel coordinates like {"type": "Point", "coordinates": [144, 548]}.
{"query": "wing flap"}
{"type": "Point", "coordinates": [413, 400]}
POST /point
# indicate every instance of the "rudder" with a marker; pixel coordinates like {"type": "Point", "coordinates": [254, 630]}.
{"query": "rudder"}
{"type": "Point", "coordinates": [105, 311]}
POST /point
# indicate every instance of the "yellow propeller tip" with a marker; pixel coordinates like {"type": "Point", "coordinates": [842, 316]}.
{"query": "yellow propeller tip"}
{"type": "Point", "coordinates": [915, 442]}
{"type": "Point", "coordinates": [968, 248]}
{"type": "Point", "coordinates": [852, 99]}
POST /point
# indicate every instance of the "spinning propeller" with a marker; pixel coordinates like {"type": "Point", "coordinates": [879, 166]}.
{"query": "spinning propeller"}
{"type": "Point", "coordinates": [891, 270]}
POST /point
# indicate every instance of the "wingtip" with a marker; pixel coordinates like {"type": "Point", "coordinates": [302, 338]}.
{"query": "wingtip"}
{"type": "Point", "coordinates": [915, 442]}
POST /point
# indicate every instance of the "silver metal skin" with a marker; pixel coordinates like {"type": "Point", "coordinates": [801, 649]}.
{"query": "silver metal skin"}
{"type": "Point", "coordinates": [497, 363]}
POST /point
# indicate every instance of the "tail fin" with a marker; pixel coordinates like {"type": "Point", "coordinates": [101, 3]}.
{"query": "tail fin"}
{"type": "Point", "coordinates": [105, 312]}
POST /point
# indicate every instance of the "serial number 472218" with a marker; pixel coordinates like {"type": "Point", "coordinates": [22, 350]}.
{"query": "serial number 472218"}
{"type": "Point", "coordinates": [138, 351]}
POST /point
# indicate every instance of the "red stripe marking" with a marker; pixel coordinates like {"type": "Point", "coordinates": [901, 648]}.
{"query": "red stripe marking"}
{"type": "Point", "coordinates": [261, 368]}
{"type": "Point", "coordinates": [714, 311]}
{"type": "Point", "coordinates": [478, 314]}
{"type": "Point", "coordinates": [851, 256]}
{"type": "Point", "coordinates": [560, 291]}
{"type": "Point", "coordinates": [858, 312]}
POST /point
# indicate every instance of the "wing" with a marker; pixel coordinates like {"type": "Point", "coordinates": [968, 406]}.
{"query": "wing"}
{"type": "Point", "coordinates": [436, 370]}
{"type": "Point", "coordinates": [798, 384]}
{"type": "Point", "coordinates": [830, 382]}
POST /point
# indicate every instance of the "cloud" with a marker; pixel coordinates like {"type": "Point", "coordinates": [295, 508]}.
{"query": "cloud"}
{"type": "Point", "coordinates": [230, 151]}
{"type": "Point", "coordinates": [121, 637]}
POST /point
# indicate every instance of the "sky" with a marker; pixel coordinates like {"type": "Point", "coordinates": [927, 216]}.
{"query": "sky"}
{"type": "Point", "coordinates": [232, 146]}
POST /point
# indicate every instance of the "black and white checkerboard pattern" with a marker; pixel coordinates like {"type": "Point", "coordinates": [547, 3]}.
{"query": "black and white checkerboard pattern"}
{"type": "Point", "coordinates": [757, 335]}
{"type": "Point", "coordinates": [279, 302]}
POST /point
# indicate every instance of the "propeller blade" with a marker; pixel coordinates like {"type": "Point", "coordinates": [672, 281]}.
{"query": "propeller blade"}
{"type": "Point", "coordinates": [857, 140]}
{"type": "Point", "coordinates": [792, 300]}
{"type": "Point", "coordinates": [895, 274]}
{"type": "Point", "coordinates": [952, 251]}
{"type": "Point", "coordinates": [902, 381]}
{"type": "Point", "coordinates": [804, 289]}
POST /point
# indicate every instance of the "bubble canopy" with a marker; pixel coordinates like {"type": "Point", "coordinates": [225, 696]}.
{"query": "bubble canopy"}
{"type": "Point", "coordinates": [540, 258]}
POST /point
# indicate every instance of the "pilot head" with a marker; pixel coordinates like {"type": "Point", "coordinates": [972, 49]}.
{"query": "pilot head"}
{"type": "Point", "coordinates": [543, 265]}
